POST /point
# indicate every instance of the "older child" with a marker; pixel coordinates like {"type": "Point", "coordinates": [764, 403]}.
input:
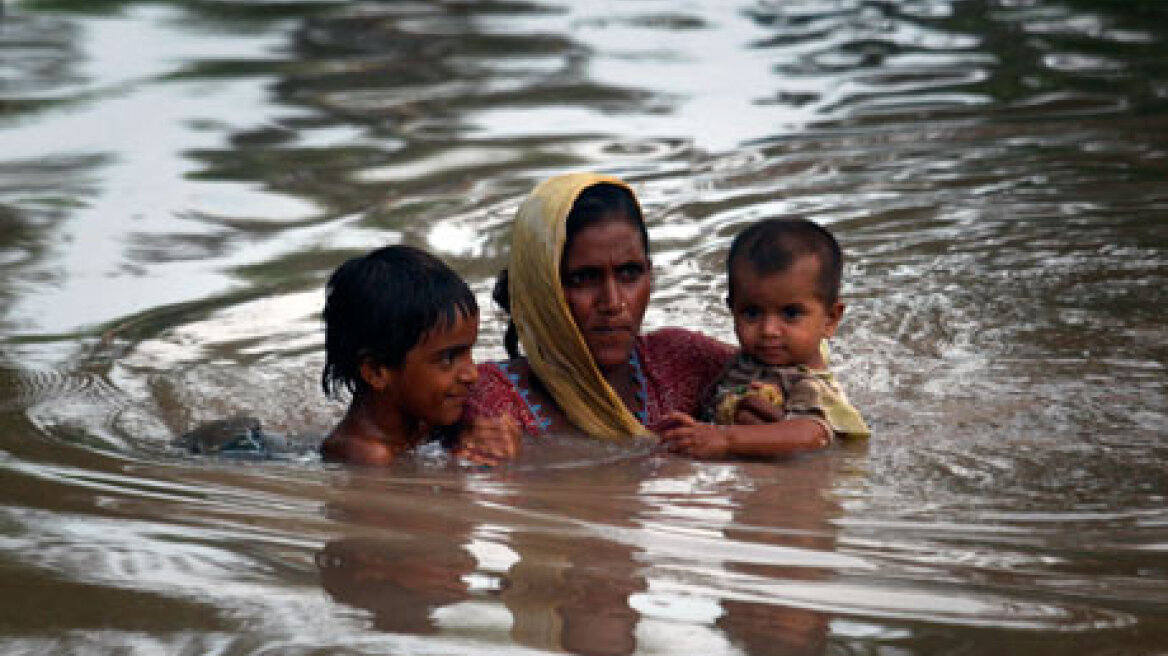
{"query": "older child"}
{"type": "Point", "coordinates": [399, 329]}
{"type": "Point", "coordinates": [784, 282]}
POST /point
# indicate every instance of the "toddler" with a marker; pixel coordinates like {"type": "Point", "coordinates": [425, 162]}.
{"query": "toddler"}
{"type": "Point", "coordinates": [776, 395]}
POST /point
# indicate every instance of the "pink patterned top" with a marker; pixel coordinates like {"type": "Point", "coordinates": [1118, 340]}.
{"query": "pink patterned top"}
{"type": "Point", "coordinates": [677, 366]}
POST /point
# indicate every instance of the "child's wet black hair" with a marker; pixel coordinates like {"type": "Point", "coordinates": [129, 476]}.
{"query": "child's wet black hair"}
{"type": "Point", "coordinates": [773, 245]}
{"type": "Point", "coordinates": [592, 205]}
{"type": "Point", "coordinates": [380, 305]}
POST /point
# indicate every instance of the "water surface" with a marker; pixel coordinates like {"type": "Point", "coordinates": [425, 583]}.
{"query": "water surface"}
{"type": "Point", "coordinates": [177, 180]}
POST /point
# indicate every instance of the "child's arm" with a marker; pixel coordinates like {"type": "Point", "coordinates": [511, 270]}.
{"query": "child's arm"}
{"type": "Point", "coordinates": [689, 437]}
{"type": "Point", "coordinates": [489, 440]}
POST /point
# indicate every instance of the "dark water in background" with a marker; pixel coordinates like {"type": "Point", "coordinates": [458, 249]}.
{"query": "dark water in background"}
{"type": "Point", "coordinates": [177, 179]}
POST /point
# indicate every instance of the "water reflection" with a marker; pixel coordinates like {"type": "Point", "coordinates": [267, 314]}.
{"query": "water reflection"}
{"type": "Point", "coordinates": [597, 559]}
{"type": "Point", "coordinates": [795, 515]}
{"type": "Point", "coordinates": [402, 579]}
{"type": "Point", "coordinates": [572, 585]}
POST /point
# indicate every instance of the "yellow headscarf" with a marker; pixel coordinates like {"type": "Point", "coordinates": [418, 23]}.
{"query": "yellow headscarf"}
{"type": "Point", "coordinates": [554, 347]}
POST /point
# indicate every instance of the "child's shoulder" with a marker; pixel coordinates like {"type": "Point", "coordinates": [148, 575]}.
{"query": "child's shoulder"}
{"type": "Point", "coordinates": [818, 392]}
{"type": "Point", "coordinates": [347, 447]}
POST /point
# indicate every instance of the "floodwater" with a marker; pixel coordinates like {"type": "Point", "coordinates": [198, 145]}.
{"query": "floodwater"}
{"type": "Point", "coordinates": [177, 179]}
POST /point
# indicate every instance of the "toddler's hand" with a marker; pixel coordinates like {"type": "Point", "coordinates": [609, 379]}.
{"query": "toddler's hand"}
{"type": "Point", "coordinates": [685, 435]}
{"type": "Point", "coordinates": [757, 409]}
{"type": "Point", "coordinates": [489, 441]}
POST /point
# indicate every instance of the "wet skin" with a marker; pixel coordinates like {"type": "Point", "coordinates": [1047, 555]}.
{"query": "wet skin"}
{"type": "Point", "coordinates": [779, 318]}
{"type": "Point", "coordinates": [432, 384]}
{"type": "Point", "coordinates": [399, 405]}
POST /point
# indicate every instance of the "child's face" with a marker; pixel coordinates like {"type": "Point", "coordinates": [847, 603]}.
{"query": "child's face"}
{"type": "Point", "coordinates": [778, 317]}
{"type": "Point", "coordinates": [433, 382]}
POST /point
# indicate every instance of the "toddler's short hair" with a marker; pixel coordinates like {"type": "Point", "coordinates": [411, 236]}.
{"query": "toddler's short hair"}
{"type": "Point", "coordinates": [773, 245]}
{"type": "Point", "coordinates": [380, 305]}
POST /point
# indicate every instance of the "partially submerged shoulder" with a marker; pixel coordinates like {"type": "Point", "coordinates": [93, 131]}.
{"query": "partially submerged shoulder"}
{"type": "Point", "coordinates": [342, 446]}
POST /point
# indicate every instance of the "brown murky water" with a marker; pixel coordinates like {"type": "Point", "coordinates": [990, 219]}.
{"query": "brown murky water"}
{"type": "Point", "coordinates": [178, 178]}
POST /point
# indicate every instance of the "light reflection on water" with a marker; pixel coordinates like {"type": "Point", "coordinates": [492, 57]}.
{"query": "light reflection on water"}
{"type": "Point", "coordinates": [177, 180]}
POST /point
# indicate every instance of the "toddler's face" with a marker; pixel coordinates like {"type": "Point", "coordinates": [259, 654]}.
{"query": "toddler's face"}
{"type": "Point", "coordinates": [779, 318]}
{"type": "Point", "coordinates": [433, 382]}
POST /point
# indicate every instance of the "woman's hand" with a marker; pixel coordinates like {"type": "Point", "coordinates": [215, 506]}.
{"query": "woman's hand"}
{"type": "Point", "coordinates": [686, 436]}
{"type": "Point", "coordinates": [489, 441]}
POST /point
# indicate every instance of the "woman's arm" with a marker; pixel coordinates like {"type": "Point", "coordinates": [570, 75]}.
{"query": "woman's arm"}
{"type": "Point", "coordinates": [497, 414]}
{"type": "Point", "coordinates": [495, 394]}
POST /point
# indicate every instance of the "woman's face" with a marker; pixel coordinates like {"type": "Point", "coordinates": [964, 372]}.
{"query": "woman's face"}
{"type": "Point", "coordinates": [607, 278]}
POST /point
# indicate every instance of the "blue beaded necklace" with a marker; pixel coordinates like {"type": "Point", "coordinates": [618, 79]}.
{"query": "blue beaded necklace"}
{"type": "Point", "coordinates": [642, 393]}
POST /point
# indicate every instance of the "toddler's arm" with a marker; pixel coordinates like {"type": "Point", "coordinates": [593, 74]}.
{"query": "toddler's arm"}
{"type": "Point", "coordinates": [686, 436]}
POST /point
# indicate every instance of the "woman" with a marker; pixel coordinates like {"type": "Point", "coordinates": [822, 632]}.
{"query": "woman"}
{"type": "Point", "coordinates": [577, 289]}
